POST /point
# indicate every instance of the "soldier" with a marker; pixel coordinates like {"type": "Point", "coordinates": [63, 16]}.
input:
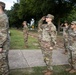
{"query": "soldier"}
{"type": "Point", "coordinates": [72, 48]}
{"type": "Point", "coordinates": [25, 33]}
{"type": "Point", "coordinates": [4, 41]}
{"type": "Point", "coordinates": [48, 41]}
{"type": "Point", "coordinates": [65, 36]}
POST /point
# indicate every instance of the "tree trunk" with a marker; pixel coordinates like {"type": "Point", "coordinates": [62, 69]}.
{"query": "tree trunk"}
{"type": "Point", "coordinates": [59, 25]}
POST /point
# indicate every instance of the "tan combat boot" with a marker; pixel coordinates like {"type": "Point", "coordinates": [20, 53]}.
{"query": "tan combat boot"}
{"type": "Point", "coordinates": [72, 71]}
{"type": "Point", "coordinates": [48, 73]}
{"type": "Point", "coordinates": [68, 69]}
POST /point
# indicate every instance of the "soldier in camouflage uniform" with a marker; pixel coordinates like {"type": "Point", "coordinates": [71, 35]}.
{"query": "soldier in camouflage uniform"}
{"type": "Point", "coordinates": [4, 41]}
{"type": "Point", "coordinates": [72, 47]}
{"type": "Point", "coordinates": [65, 37]}
{"type": "Point", "coordinates": [48, 41]}
{"type": "Point", "coordinates": [25, 33]}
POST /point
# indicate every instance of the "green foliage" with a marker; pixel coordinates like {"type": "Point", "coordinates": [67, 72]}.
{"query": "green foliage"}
{"type": "Point", "coordinates": [72, 16]}
{"type": "Point", "coordinates": [13, 16]}
{"type": "Point", "coordinates": [42, 7]}
{"type": "Point", "coordinates": [28, 9]}
{"type": "Point", "coordinates": [34, 8]}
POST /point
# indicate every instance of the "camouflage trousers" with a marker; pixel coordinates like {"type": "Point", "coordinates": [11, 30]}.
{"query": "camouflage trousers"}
{"type": "Point", "coordinates": [73, 59]}
{"type": "Point", "coordinates": [26, 40]}
{"type": "Point", "coordinates": [39, 40]}
{"type": "Point", "coordinates": [47, 53]}
{"type": "Point", "coordinates": [4, 66]}
{"type": "Point", "coordinates": [65, 44]}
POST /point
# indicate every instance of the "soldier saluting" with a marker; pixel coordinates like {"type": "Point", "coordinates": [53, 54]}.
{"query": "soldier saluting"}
{"type": "Point", "coordinates": [48, 41]}
{"type": "Point", "coordinates": [65, 36]}
{"type": "Point", "coordinates": [72, 47]}
{"type": "Point", "coordinates": [25, 33]}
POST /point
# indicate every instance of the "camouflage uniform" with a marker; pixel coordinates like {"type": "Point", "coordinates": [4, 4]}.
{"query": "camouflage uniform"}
{"type": "Point", "coordinates": [25, 33]}
{"type": "Point", "coordinates": [65, 38]}
{"type": "Point", "coordinates": [4, 43]}
{"type": "Point", "coordinates": [39, 30]}
{"type": "Point", "coordinates": [48, 39]}
{"type": "Point", "coordinates": [72, 47]}
{"type": "Point", "coordinates": [40, 33]}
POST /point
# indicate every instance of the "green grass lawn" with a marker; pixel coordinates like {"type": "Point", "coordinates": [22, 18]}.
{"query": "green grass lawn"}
{"type": "Point", "coordinates": [17, 40]}
{"type": "Point", "coordinates": [58, 70]}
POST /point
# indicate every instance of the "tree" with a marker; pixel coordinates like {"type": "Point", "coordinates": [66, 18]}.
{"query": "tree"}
{"type": "Point", "coordinates": [13, 16]}
{"type": "Point", "coordinates": [72, 15]}
{"type": "Point", "coordinates": [28, 9]}
{"type": "Point", "coordinates": [62, 8]}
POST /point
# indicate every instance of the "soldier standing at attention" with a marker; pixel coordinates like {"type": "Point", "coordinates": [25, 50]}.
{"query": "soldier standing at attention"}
{"type": "Point", "coordinates": [72, 47]}
{"type": "Point", "coordinates": [4, 41]}
{"type": "Point", "coordinates": [25, 33]}
{"type": "Point", "coordinates": [48, 41]}
{"type": "Point", "coordinates": [65, 36]}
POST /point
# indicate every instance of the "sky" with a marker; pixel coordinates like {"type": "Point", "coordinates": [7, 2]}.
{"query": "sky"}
{"type": "Point", "coordinates": [8, 3]}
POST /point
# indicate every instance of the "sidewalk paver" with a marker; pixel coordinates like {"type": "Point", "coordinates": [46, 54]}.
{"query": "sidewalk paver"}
{"type": "Point", "coordinates": [34, 58]}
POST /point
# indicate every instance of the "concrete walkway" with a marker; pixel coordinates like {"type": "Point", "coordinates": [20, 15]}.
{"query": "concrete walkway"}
{"type": "Point", "coordinates": [34, 58]}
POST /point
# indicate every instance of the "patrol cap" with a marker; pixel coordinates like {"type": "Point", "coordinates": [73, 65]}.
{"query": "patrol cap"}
{"type": "Point", "coordinates": [50, 16]}
{"type": "Point", "coordinates": [73, 22]}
